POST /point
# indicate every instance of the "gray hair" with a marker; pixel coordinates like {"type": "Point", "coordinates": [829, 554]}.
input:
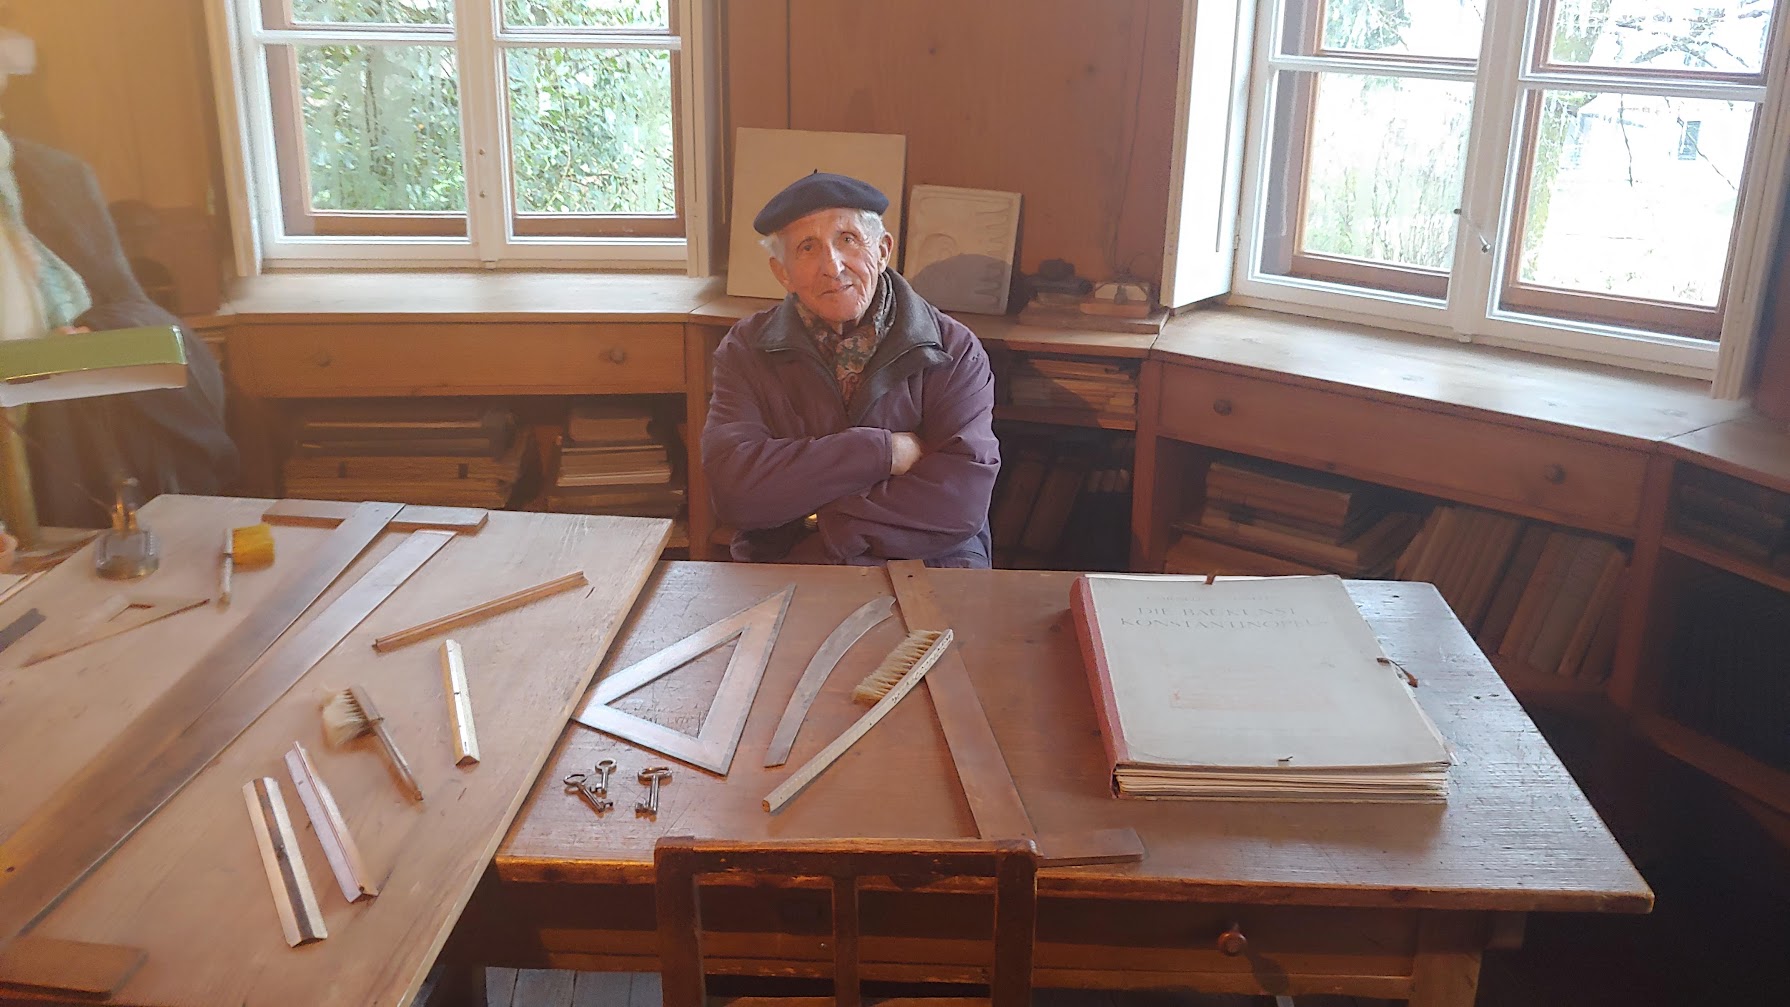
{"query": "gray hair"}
{"type": "Point", "coordinates": [870, 223]}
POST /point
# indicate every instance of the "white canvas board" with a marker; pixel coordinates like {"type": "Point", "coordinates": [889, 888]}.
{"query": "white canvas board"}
{"type": "Point", "coordinates": [767, 160]}
{"type": "Point", "coordinates": [1278, 673]}
{"type": "Point", "coordinates": [960, 246]}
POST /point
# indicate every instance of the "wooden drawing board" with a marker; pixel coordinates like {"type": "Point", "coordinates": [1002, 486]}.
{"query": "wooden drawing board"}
{"type": "Point", "coordinates": [960, 245]}
{"type": "Point", "coordinates": [767, 160]}
{"type": "Point", "coordinates": [713, 746]}
{"type": "Point", "coordinates": [194, 896]}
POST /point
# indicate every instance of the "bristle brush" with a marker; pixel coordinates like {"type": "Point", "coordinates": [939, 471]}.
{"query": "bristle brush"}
{"type": "Point", "coordinates": [349, 714]}
{"type": "Point", "coordinates": [897, 675]}
{"type": "Point", "coordinates": [894, 667]}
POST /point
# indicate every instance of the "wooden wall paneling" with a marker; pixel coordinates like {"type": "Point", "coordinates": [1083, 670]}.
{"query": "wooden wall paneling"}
{"type": "Point", "coordinates": [1772, 396]}
{"type": "Point", "coordinates": [755, 87]}
{"type": "Point", "coordinates": [126, 86]}
{"type": "Point", "coordinates": [1070, 104]}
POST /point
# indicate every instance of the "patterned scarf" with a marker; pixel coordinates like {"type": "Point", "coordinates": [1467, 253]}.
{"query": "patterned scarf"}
{"type": "Point", "coordinates": [61, 295]}
{"type": "Point", "coordinates": [850, 351]}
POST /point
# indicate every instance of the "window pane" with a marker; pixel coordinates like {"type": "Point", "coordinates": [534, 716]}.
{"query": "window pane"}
{"type": "Point", "coordinates": [585, 13]}
{"type": "Point", "coordinates": [592, 131]}
{"type": "Point", "coordinates": [381, 127]}
{"type": "Point", "coordinates": [429, 12]}
{"type": "Point", "coordinates": [1615, 206]}
{"type": "Point", "coordinates": [1449, 28]}
{"type": "Point", "coordinates": [1384, 167]}
{"type": "Point", "coordinates": [1712, 35]}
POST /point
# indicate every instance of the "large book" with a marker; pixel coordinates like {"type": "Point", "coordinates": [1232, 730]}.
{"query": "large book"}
{"type": "Point", "coordinates": [1250, 689]}
{"type": "Point", "coordinates": [1368, 554]}
{"type": "Point", "coordinates": [608, 420]}
{"type": "Point", "coordinates": [1315, 496]}
{"type": "Point", "coordinates": [1194, 554]}
{"type": "Point", "coordinates": [320, 423]}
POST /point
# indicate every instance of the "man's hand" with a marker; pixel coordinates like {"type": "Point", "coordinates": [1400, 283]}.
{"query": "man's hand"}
{"type": "Point", "coordinates": [904, 450]}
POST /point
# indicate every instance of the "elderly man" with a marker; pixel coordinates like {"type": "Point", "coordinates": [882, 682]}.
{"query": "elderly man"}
{"type": "Point", "coordinates": [852, 422]}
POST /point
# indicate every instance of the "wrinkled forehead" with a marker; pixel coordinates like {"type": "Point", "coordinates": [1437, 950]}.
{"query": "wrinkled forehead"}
{"type": "Point", "coordinates": [826, 223]}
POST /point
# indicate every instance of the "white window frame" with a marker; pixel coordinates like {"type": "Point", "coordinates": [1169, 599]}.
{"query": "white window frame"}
{"type": "Point", "coordinates": [238, 42]}
{"type": "Point", "coordinates": [1489, 190]}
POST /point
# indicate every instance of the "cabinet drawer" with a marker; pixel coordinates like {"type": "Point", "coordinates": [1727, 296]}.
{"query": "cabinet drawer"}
{"type": "Point", "coordinates": [1502, 467]}
{"type": "Point", "coordinates": [456, 358]}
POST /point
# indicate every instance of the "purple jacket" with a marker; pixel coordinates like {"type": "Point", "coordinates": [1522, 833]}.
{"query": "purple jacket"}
{"type": "Point", "coordinates": [781, 444]}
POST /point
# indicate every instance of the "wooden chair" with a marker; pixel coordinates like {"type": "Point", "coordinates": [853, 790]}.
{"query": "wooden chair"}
{"type": "Point", "coordinates": [679, 861]}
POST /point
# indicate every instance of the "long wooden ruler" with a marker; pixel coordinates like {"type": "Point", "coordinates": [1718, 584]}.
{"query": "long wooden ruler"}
{"type": "Point", "coordinates": [981, 768]}
{"type": "Point", "coordinates": [170, 741]}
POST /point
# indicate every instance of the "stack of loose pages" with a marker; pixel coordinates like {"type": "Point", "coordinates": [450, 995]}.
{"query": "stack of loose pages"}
{"type": "Point", "coordinates": [1268, 688]}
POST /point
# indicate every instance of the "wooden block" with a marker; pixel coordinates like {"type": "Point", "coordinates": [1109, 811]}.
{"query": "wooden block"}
{"type": "Point", "coordinates": [414, 517]}
{"type": "Point", "coordinates": [49, 963]}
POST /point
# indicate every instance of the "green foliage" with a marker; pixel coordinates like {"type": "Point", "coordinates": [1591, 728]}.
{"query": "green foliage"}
{"type": "Point", "coordinates": [1365, 25]}
{"type": "Point", "coordinates": [586, 13]}
{"type": "Point", "coordinates": [382, 127]}
{"type": "Point", "coordinates": [592, 131]}
{"type": "Point", "coordinates": [408, 12]}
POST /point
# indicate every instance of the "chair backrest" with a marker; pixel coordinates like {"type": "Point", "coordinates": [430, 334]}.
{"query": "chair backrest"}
{"type": "Point", "coordinates": [679, 861]}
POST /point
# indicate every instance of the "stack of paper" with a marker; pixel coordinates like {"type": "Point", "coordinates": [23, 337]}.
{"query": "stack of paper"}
{"type": "Point", "coordinates": [1251, 689]}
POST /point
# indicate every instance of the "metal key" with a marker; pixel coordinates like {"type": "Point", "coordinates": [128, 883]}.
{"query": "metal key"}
{"type": "Point", "coordinates": [594, 786]}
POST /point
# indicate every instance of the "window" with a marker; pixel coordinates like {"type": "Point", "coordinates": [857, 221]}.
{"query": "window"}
{"type": "Point", "coordinates": [474, 131]}
{"type": "Point", "coordinates": [1581, 176]}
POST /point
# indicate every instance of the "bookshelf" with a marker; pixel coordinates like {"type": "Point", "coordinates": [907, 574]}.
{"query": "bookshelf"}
{"type": "Point", "coordinates": [1704, 681]}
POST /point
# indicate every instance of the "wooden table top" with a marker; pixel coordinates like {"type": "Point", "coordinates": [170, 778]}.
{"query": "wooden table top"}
{"type": "Point", "coordinates": [189, 886]}
{"type": "Point", "coordinates": [1516, 834]}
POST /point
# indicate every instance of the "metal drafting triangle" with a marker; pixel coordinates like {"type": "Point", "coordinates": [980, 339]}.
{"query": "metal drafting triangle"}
{"type": "Point", "coordinates": [713, 745]}
{"type": "Point", "coordinates": [119, 614]}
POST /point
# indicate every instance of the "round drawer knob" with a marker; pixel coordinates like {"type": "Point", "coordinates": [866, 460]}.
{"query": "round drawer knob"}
{"type": "Point", "coordinates": [1221, 406]}
{"type": "Point", "coordinates": [1232, 942]}
{"type": "Point", "coordinates": [1554, 474]}
{"type": "Point", "coordinates": [321, 358]}
{"type": "Point", "coordinates": [618, 355]}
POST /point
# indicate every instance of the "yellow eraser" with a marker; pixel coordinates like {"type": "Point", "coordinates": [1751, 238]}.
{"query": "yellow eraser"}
{"type": "Point", "coordinates": [252, 547]}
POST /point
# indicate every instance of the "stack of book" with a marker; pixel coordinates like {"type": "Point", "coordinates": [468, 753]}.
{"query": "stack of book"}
{"type": "Point", "coordinates": [1734, 516]}
{"type": "Point", "coordinates": [1544, 600]}
{"type": "Point", "coordinates": [1047, 486]}
{"type": "Point", "coordinates": [611, 462]}
{"type": "Point", "coordinates": [447, 452]}
{"type": "Point", "coordinates": [1295, 520]}
{"type": "Point", "coordinates": [1255, 689]}
{"type": "Point", "coordinates": [1104, 389]}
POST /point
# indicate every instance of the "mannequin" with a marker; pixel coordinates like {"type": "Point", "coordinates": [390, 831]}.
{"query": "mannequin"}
{"type": "Point", "coordinates": [172, 440]}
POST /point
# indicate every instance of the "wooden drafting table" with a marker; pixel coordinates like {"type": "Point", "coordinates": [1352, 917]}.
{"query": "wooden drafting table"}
{"type": "Point", "coordinates": [1374, 900]}
{"type": "Point", "coordinates": [189, 886]}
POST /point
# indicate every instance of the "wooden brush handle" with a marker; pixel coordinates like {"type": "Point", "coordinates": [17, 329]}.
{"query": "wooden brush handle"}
{"type": "Point", "coordinates": [400, 765]}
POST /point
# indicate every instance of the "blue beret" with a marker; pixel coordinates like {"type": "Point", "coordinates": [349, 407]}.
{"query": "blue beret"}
{"type": "Point", "coordinates": [819, 191]}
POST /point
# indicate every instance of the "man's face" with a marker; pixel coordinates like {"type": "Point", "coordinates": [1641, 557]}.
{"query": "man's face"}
{"type": "Point", "coordinates": [831, 265]}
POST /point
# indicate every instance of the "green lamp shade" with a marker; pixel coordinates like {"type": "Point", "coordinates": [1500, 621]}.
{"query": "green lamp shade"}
{"type": "Point", "coordinates": [80, 365]}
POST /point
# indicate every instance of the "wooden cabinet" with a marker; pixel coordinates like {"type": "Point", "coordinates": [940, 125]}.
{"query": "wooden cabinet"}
{"type": "Point", "coordinates": [1701, 677]}
{"type": "Point", "coordinates": [1503, 467]}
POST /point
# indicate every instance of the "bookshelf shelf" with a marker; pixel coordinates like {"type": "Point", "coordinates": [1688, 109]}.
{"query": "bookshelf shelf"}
{"type": "Point", "coordinates": [1763, 783]}
{"type": "Point", "coordinates": [1064, 417]}
{"type": "Point", "coordinates": [1690, 548]}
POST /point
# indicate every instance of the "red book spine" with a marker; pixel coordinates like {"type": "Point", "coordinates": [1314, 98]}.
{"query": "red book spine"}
{"type": "Point", "coordinates": [1093, 655]}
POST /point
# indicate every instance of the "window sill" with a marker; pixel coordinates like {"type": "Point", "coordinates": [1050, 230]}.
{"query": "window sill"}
{"type": "Point", "coordinates": [1590, 401]}
{"type": "Point", "coordinates": [494, 296]}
